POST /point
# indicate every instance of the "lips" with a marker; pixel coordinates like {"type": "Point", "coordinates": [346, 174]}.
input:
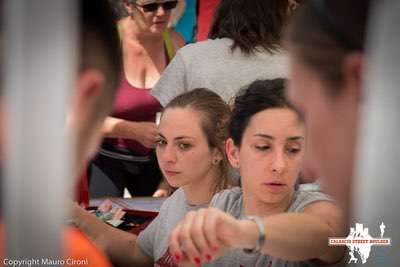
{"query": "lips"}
{"type": "Point", "coordinates": [171, 173]}
{"type": "Point", "coordinates": [275, 187]}
{"type": "Point", "coordinates": [275, 183]}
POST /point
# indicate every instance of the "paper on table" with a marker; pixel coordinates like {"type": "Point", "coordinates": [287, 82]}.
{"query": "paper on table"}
{"type": "Point", "coordinates": [150, 204]}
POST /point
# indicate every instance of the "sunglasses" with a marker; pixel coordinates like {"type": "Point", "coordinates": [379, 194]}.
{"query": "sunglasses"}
{"type": "Point", "coordinates": [154, 6]}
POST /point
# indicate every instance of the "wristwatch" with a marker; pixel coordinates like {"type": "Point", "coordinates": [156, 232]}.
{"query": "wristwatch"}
{"type": "Point", "coordinates": [261, 236]}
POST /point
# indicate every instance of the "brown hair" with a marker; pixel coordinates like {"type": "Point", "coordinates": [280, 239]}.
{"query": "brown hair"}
{"type": "Point", "coordinates": [323, 32]}
{"type": "Point", "coordinates": [251, 24]}
{"type": "Point", "coordinates": [100, 49]}
{"type": "Point", "coordinates": [215, 116]}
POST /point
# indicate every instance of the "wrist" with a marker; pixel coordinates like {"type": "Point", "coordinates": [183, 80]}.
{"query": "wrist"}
{"type": "Point", "coordinates": [249, 234]}
{"type": "Point", "coordinates": [256, 234]}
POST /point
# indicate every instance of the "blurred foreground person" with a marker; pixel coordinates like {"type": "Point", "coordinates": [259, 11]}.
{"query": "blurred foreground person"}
{"type": "Point", "coordinates": [96, 83]}
{"type": "Point", "coordinates": [327, 63]}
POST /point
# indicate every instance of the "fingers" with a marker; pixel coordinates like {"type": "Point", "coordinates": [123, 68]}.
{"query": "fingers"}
{"type": "Point", "coordinates": [161, 193]}
{"type": "Point", "coordinates": [105, 206]}
{"type": "Point", "coordinates": [186, 240]}
{"type": "Point", "coordinates": [196, 237]}
{"type": "Point", "coordinates": [174, 245]}
{"type": "Point", "coordinates": [147, 134]}
{"type": "Point", "coordinates": [211, 234]}
{"type": "Point", "coordinates": [151, 139]}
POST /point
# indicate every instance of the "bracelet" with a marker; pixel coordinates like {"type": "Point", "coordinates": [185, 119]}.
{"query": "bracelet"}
{"type": "Point", "coordinates": [261, 237]}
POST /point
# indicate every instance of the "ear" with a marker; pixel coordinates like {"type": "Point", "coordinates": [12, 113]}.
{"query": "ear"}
{"type": "Point", "coordinates": [83, 111]}
{"type": "Point", "coordinates": [292, 6]}
{"type": "Point", "coordinates": [127, 6]}
{"type": "Point", "coordinates": [89, 86]}
{"type": "Point", "coordinates": [353, 70]}
{"type": "Point", "coordinates": [232, 152]}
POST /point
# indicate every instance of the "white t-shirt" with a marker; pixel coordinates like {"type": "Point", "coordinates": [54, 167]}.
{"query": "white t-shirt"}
{"type": "Point", "coordinates": [211, 64]}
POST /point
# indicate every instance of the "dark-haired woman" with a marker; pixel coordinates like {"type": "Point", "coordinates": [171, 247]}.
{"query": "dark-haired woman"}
{"type": "Point", "coordinates": [244, 45]}
{"type": "Point", "coordinates": [267, 144]}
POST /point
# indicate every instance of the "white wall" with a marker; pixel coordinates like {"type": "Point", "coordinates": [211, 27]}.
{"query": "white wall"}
{"type": "Point", "coordinates": [377, 196]}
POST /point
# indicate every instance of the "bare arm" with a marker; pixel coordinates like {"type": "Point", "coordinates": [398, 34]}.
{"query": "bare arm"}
{"type": "Point", "coordinates": [290, 236]}
{"type": "Point", "coordinates": [120, 246]}
{"type": "Point", "coordinates": [301, 236]}
{"type": "Point", "coordinates": [143, 132]}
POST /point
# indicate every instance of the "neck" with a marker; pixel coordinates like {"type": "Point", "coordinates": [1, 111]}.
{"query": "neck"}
{"type": "Point", "coordinates": [130, 31]}
{"type": "Point", "coordinates": [254, 206]}
{"type": "Point", "coordinates": [200, 191]}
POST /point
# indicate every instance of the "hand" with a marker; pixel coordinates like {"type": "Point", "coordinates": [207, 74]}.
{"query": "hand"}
{"type": "Point", "coordinates": [204, 234]}
{"type": "Point", "coordinates": [105, 206]}
{"type": "Point", "coordinates": [161, 192]}
{"type": "Point", "coordinates": [145, 133]}
{"type": "Point", "coordinates": [164, 189]}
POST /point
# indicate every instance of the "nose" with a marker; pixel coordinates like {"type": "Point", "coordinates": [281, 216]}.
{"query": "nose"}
{"type": "Point", "coordinates": [160, 11]}
{"type": "Point", "coordinates": [166, 154]}
{"type": "Point", "coordinates": [278, 163]}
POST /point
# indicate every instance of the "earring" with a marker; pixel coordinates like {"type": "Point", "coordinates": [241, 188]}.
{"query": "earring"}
{"type": "Point", "coordinates": [215, 161]}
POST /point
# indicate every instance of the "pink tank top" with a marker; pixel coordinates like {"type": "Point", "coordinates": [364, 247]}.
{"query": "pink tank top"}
{"type": "Point", "coordinates": [134, 104]}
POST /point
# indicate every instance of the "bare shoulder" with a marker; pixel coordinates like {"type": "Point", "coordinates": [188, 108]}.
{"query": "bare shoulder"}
{"type": "Point", "coordinates": [177, 39]}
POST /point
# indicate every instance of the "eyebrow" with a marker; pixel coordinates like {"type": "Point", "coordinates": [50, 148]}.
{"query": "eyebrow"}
{"type": "Point", "coordinates": [177, 138]}
{"type": "Point", "coordinates": [293, 138]}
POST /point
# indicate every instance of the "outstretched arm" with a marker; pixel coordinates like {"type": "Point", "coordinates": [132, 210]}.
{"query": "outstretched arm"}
{"type": "Point", "coordinates": [144, 132]}
{"type": "Point", "coordinates": [291, 236]}
{"type": "Point", "coordinates": [120, 246]}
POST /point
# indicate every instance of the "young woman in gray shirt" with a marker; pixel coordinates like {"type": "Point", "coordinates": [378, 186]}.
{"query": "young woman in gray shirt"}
{"type": "Point", "coordinates": [191, 155]}
{"type": "Point", "coordinates": [267, 143]}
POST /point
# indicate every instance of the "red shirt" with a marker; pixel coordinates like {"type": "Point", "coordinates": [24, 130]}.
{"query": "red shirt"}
{"type": "Point", "coordinates": [134, 104]}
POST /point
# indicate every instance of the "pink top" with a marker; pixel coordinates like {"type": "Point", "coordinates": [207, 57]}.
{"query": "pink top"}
{"type": "Point", "coordinates": [134, 104]}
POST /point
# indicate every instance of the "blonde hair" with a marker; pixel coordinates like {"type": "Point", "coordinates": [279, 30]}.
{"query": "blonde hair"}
{"type": "Point", "coordinates": [121, 12]}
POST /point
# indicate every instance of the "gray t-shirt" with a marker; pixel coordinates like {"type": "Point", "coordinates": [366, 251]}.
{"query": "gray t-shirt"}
{"type": "Point", "coordinates": [211, 64]}
{"type": "Point", "coordinates": [231, 201]}
{"type": "Point", "coordinates": [154, 239]}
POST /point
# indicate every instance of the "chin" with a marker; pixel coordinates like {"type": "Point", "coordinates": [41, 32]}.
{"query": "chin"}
{"type": "Point", "coordinates": [158, 29]}
{"type": "Point", "coordinates": [174, 181]}
{"type": "Point", "coordinates": [271, 198]}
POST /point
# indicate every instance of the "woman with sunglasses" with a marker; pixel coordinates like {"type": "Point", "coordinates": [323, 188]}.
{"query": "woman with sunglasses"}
{"type": "Point", "coordinates": [126, 159]}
